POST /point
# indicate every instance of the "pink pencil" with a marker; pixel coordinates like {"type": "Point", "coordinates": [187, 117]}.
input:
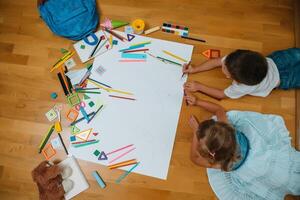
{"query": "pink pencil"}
{"type": "Point", "coordinates": [132, 60]}
{"type": "Point", "coordinates": [121, 155]}
{"type": "Point", "coordinates": [119, 149]}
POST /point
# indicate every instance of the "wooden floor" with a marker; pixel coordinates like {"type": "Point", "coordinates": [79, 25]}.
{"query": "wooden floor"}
{"type": "Point", "coordinates": [28, 49]}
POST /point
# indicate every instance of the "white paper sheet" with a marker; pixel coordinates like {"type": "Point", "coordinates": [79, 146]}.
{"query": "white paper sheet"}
{"type": "Point", "coordinates": [150, 122]}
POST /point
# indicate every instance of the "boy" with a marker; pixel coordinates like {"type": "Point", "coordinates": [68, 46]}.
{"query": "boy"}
{"type": "Point", "coordinates": [251, 72]}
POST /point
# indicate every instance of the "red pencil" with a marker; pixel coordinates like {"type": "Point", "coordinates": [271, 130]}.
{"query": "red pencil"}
{"type": "Point", "coordinates": [121, 97]}
{"type": "Point", "coordinates": [116, 35]}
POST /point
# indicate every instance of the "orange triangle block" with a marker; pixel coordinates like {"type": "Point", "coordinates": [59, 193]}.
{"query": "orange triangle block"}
{"type": "Point", "coordinates": [84, 135]}
{"type": "Point", "coordinates": [206, 53]}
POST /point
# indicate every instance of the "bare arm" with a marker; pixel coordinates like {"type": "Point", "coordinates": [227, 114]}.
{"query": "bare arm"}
{"type": "Point", "coordinates": [194, 86]}
{"type": "Point", "coordinates": [207, 65]}
{"type": "Point", "coordinates": [215, 109]}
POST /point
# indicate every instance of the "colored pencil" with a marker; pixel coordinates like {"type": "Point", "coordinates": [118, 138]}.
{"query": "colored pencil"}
{"type": "Point", "coordinates": [79, 120]}
{"type": "Point", "coordinates": [62, 62]}
{"type": "Point", "coordinates": [115, 34]}
{"type": "Point", "coordinates": [85, 144]}
{"type": "Point", "coordinates": [46, 138]}
{"type": "Point", "coordinates": [94, 50]}
{"type": "Point", "coordinates": [141, 43]}
{"type": "Point", "coordinates": [87, 88]}
{"type": "Point", "coordinates": [122, 164]}
{"type": "Point", "coordinates": [132, 60]}
{"type": "Point", "coordinates": [187, 65]}
{"type": "Point", "coordinates": [126, 173]}
{"type": "Point", "coordinates": [95, 113]}
{"type": "Point", "coordinates": [81, 142]}
{"type": "Point", "coordinates": [119, 97]}
{"type": "Point", "coordinates": [65, 79]}
{"type": "Point", "coordinates": [123, 154]}
{"type": "Point", "coordinates": [64, 56]}
{"type": "Point", "coordinates": [90, 92]}
{"type": "Point", "coordinates": [62, 84]}
{"type": "Point", "coordinates": [110, 89]}
{"type": "Point", "coordinates": [136, 50]}
{"type": "Point", "coordinates": [169, 61]}
{"type": "Point", "coordinates": [99, 82]}
{"type": "Point", "coordinates": [83, 112]}
{"type": "Point", "coordinates": [120, 149]}
{"type": "Point", "coordinates": [174, 56]}
{"type": "Point", "coordinates": [131, 48]}
{"type": "Point", "coordinates": [190, 38]}
{"type": "Point", "coordinates": [62, 142]}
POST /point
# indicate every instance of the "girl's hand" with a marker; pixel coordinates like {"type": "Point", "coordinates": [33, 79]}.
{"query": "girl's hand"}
{"type": "Point", "coordinates": [188, 68]}
{"type": "Point", "coordinates": [192, 86]}
{"type": "Point", "coordinates": [191, 99]}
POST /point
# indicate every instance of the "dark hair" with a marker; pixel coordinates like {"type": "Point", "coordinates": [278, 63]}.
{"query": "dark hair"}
{"type": "Point", "coordinates": [219, 140]}
{"type": "Point", "coordinates": [247, 67]}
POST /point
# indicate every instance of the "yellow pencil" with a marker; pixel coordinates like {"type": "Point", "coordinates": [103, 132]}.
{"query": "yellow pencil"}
{"type": "Point", "coordinates": [110, 40]}
{"type": "Point", "coordinates": [62, 62]}
{"type": "Point", "coordinates": [174, 56]}
{"type": "Point", "coordinates": [109, 89]}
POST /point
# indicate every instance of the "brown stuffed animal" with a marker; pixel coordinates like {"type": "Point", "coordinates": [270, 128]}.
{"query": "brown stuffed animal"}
{"type": "Point", "coordinates": [49, 180]}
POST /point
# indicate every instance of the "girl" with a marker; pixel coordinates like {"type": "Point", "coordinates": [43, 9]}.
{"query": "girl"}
{"type": "Point", "coordinates": [248, 154]}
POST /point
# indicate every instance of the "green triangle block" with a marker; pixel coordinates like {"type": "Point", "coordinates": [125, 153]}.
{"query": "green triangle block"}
{"type": "Point", "coordinates": [85, 97]}
{"type": "Point", "coordinates": [117, 23]}
{"type": "Point", "coordinates": [74, 130]}
{"type": "Point", "coordinates": [63, 51]}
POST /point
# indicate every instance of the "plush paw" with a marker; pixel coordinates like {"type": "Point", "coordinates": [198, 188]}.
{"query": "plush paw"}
{"type": "Point", "coordinates": [66, 172]}
{"type": "Point", "coordinates": [67, 185]}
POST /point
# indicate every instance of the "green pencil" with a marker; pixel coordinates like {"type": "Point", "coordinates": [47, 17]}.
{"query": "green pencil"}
{"type": "Point", "coordinates": [46, 138]}
{"type": "Point", "coordinates": [84, 91]}
{"type": "Point", "coordinates": [85, 144]}
{"type": "Point", "coordinates": [170, 61]}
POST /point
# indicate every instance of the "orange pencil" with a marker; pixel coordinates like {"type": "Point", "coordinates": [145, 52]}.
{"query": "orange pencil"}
{"type": "Point", "coordinates": [122, 164]}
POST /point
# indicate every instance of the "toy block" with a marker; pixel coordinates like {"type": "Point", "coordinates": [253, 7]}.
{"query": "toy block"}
{"type": "Point", "coordinates": [91, 104]}
{"type": "Point", "coordinates": [51, 115]}
{"type": "Point", "coordinates": [49, 151]}
{"type": "Point", "coordinates": [72, 115]}
{"type": "Point", "coordinates": [98, 178]}
{"type": "Point", "coordinates": [72, 138]}
{"type": "Point", "coordinates": [206, 53]}
{"type": "Point", "coordinates": [57, 127]}
{"type": "Point", "coordinates": [212, 53]}
{"type": "Point", "coordinates": [84, 135]}
{"type": "Point", "coordinates": [74, 130]}
{"type": "Point", "coordinates": [96, 152]}
{"type": "Point", "coordinates": [102, 156]}
{"type": "Point", "coordinates": [115, 42]}
{"type": "Point", "coordinates": [130, 37]}
{"type": "Point", "coordinates": [85, 97]}
{"type": "Point", "coordinates": [73, 99]}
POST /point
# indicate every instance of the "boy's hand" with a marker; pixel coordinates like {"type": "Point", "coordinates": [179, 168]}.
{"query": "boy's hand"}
{"type": "Point", "coordinates": [191, 99]}
{"type": "Point", "coordinates": [191, 86]}
{"type": "Point", "coordinates": [188, 68]}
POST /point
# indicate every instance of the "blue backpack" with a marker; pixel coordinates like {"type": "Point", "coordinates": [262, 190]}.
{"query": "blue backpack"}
{"type": "Point", "coordinates": [73, 19]}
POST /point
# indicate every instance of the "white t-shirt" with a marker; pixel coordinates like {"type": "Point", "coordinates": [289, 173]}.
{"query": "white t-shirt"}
{"type": "Point", "coordinates": [263, 89]}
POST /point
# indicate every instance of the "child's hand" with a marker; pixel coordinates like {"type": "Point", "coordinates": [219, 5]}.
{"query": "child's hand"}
{"type": "Point", "coordinates": [191, 86]}
{"type": "Point", "coordinates": [190, 99]}
{"type": "Point", "coordinates": [188, 68]}
{"type": "Point", "coordinates": [194, 124]}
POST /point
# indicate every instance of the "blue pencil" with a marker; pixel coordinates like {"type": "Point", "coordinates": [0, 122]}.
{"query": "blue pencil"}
{"type": "Point", "coordinates": [126, 173]}
{"type": "Point", "coordinates": [99, 82]}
